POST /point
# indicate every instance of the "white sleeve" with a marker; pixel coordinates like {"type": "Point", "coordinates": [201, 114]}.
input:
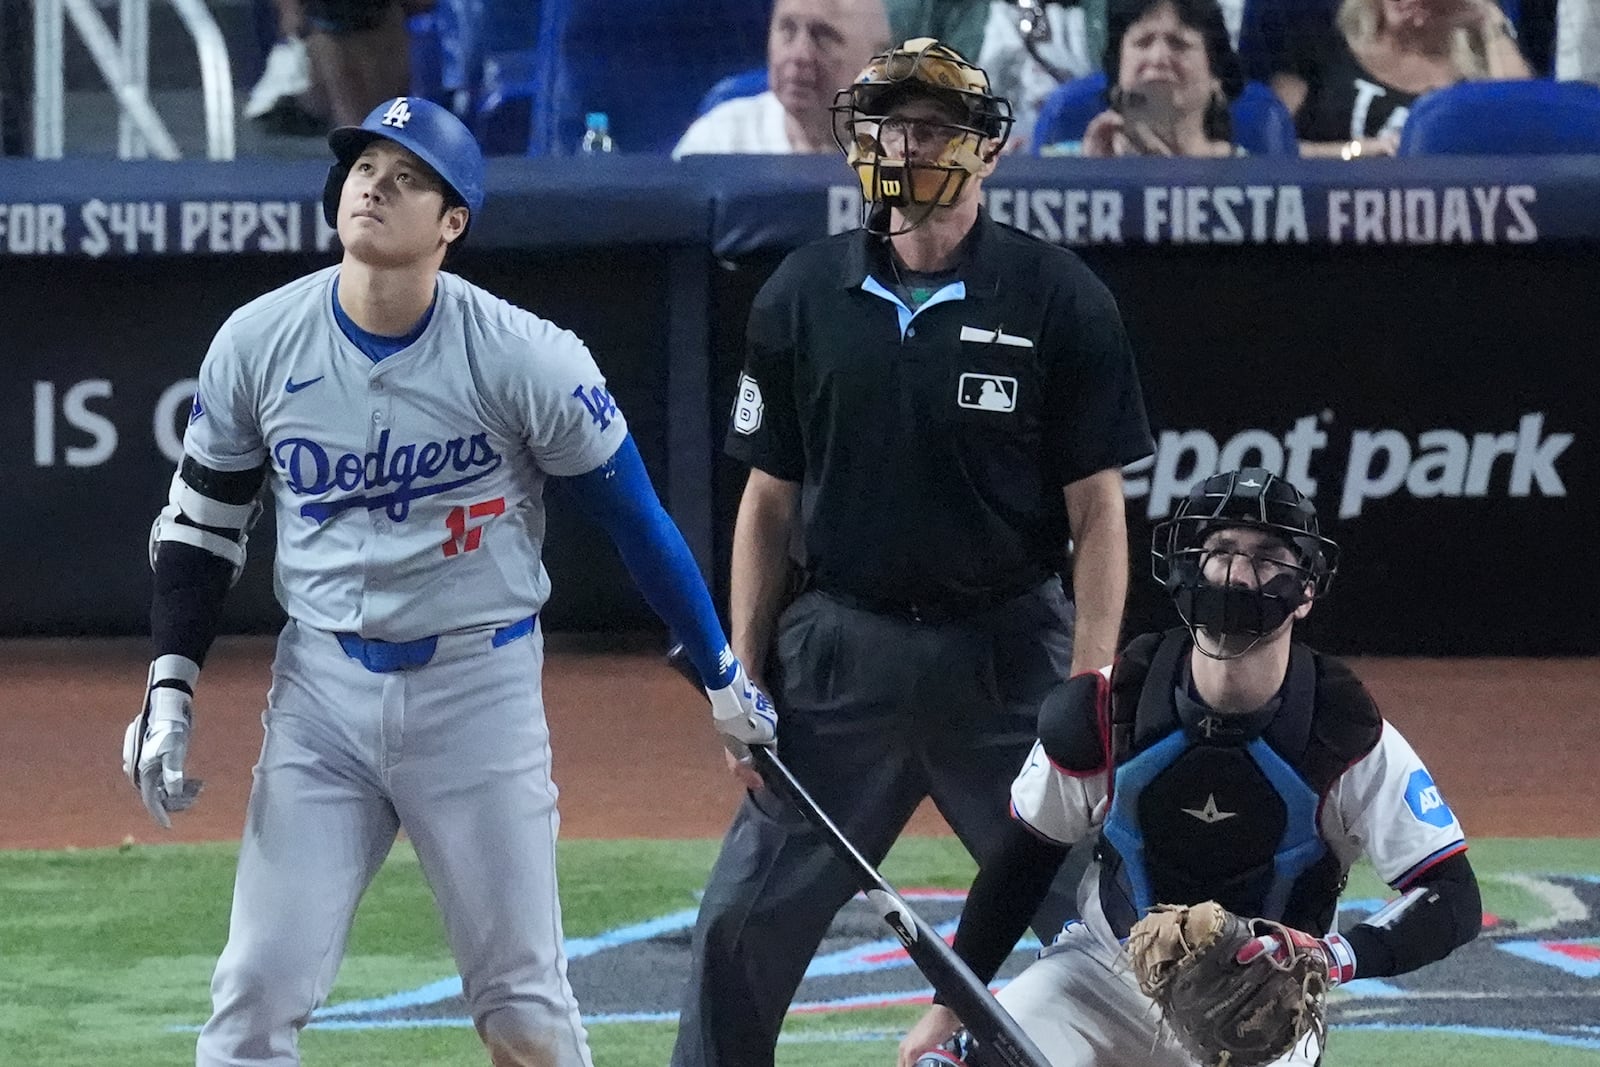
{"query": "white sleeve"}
{"type": "Point", "coordinates": [1062, 807]}
{"type": "Point", "coordinates": [700, 138]}
{"type": "Point", "coordinates": [224, 431]}
{"type": "Point", "coordinates": [1388, 807]}
{"type": "Point", "coordinates": [572, 425]}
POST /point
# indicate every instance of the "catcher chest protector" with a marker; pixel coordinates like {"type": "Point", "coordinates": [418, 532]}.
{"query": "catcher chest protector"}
{"type": "Point", "coordinates": [1207, 807]}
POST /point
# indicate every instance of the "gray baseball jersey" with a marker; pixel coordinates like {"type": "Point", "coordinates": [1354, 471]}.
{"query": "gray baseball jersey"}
{"type": "Point", "coordinates": [409, 509]}
{"type": "Point", "coordinates": [408, 491]}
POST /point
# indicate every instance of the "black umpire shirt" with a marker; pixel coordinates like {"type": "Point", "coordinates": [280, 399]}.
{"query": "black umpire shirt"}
{"type": "Point", "coordinates": [932, 447]}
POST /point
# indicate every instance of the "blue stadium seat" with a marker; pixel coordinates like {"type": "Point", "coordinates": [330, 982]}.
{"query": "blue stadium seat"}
{"type": "Point", "coordinates": [1067, 111]}
{"type": "Point", "coordinates": [744, 83]}
{"type": "Point", "coordinates": [427, 57]}
{"type": "Point", "coordinates": [1501, 118]}
{"type": "Point", "coordinates": [503, 115]}
{"type": "Point", "coordinates": [644, 63]}
{"type": "Point", "coordinates": [492, 90]}
{"type": "Point", "coordinates": [1261, 124]}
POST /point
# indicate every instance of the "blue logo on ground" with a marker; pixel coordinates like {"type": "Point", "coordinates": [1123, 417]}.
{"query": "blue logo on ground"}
{"type": "Point", "coordinates": [292, 386]}
{"type": "Point", "coordinates": [1423, 798]}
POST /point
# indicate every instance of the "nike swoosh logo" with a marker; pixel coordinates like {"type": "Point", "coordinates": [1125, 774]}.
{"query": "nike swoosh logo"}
{"type": "Point", "coordinates": [292, 386]}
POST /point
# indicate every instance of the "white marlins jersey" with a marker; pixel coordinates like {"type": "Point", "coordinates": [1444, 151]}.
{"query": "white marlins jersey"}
{"type": "Point", "coordinates": [408, 491]}
{"type": "Point", "coordinates": [1384, 806]}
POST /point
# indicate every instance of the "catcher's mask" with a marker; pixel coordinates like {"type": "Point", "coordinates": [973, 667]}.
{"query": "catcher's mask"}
{"type": "Point", "coordinates": [947, 154]}
{"type": "Point", "coordinates": [1255, 595]}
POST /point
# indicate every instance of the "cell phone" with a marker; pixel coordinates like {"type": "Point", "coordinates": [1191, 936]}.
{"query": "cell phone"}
{"type": "Point", "coordinates": [1154, 105]}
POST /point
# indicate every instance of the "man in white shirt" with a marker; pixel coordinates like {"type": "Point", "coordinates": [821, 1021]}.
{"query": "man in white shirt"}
{"type": "Point", "coordinates": [814, 49]}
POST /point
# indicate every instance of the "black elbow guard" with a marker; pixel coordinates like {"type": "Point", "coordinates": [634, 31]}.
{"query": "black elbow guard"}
{"type": "Point", "coordinates": [1071, 723]}
{"type": "Point", "coordinates": [209, 510]}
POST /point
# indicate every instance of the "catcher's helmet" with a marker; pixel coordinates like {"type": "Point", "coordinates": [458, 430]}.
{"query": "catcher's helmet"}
{"type": "Point", "coordinates": [919, 67]}
{"type": "Point", "coordinates": [1256, 499]}
{"type": "Point", "coordinates": [430, 132]}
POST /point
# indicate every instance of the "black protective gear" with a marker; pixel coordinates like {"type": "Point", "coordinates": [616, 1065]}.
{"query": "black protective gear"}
{"type": "Point", "coordinates": [921, 67]}
{"type": "Point", "coordinates": [1257, 499]}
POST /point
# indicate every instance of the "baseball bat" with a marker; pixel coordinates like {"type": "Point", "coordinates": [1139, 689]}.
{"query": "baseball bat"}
{"type": "Point", "coordinates": [1000, 1041]}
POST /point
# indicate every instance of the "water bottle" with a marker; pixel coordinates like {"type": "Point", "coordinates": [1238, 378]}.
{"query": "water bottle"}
{"type": "Point", "coordinates": [596, 135]}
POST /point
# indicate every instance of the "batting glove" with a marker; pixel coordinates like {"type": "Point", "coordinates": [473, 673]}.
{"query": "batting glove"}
{"type": "Point", "coordinates": [157, 742]}
{"type": "Point", "coordinates": [1336, 954]}
{"type": "Point", "coordinates": [744, 715]}
{"type": "Point", "coordinates": [951, 1053]}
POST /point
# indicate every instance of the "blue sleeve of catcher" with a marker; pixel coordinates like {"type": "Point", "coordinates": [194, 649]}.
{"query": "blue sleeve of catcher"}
{"type": "Point", "coordinates": [618, 495]}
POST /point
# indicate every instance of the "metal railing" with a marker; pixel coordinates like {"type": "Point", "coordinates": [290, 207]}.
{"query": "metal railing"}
{"type": "Point", "coordinates": [125, 67]}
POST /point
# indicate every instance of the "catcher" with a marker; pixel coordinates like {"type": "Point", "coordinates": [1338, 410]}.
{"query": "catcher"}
{"type": "Point", "coordinates": [1221, 762]}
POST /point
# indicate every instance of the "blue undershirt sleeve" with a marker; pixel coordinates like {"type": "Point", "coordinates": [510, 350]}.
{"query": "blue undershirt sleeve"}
{"type": "Point", "coordinates": [618, 495]}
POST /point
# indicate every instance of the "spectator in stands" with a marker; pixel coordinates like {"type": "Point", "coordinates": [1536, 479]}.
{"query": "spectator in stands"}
{"type": "Point", "coordinates": [1172, 73]}
{"type": "Point", "coordinates": [814, 49]}
{"type": "Point", "coordinates": [334, 60]}
{"type": "Point", "coordinates": [1028, 47]}
{"type": "Point", "coordinates": [1578, 40]}
{"type": "Point", "coordinates": [360, 52]}
{"type": "Point", "coordinates": [282, 98]}
{"type": "Point", "coordinates": [1351, 86]}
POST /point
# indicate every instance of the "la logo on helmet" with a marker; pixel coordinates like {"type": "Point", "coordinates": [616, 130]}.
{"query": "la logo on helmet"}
{"type": "Point", "coordinates": [398, 115]}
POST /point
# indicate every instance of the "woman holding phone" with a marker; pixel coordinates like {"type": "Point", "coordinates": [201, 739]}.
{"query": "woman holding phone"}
{"type": "Point", "coordinates": [1172, 74]}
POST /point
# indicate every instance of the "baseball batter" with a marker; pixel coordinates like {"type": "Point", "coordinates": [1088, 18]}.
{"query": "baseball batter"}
{"type": "Point", "coordinates": [406, 422]}
{"type": "Point", "coordinates": [1222, 761]}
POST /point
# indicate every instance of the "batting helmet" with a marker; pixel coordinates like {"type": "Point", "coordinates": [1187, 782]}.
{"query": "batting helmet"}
{"type": "Point", "coordinates": [1256, 499]}
{"type": "Point", "coordinates": [919, 67]}
{"type": "Point", "coordinates": [430, 132]}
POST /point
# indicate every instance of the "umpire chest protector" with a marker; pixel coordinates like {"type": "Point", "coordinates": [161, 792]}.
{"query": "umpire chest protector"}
{"type": "Point", "coordinates": [1225, 808]}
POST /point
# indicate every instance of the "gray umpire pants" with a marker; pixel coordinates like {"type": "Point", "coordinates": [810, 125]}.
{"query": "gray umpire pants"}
{"type": "Point", "coordinates": [875, 713]}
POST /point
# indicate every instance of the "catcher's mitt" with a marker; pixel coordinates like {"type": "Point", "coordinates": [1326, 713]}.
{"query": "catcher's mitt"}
{"type": "Point", "coordinates": [1226, 1013]}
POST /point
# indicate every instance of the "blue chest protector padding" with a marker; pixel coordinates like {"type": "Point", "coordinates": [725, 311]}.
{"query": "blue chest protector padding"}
{"type": "Point", "coordinates": [1206, 807]}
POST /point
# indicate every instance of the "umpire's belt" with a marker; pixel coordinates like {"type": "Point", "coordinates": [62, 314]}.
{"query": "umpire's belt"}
{"type": "Point", "coordinates": [935, 611]}
{"type": "Point", "coordinates": [386, 657]}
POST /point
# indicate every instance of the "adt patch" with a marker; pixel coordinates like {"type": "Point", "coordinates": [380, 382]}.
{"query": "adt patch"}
{"type": "Point", "coordinates": [1423, 798]}
{"type": "Point", "coordinates": [987, 392]}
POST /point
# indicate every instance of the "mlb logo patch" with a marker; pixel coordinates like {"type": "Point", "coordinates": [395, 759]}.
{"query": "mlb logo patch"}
{"type": "Point", "coordinates": [987, 392]}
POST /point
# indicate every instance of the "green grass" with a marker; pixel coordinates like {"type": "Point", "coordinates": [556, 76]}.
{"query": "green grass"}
{"type": "Point", "coordinates": [102, 951]}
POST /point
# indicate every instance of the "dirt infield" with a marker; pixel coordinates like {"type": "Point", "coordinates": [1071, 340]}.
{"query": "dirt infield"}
{"type": "Point", "coordinates": [1512, 743]}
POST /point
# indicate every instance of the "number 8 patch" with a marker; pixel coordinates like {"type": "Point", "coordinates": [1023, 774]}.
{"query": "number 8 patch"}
{"type": "Point", "coordinates": [747, 408]}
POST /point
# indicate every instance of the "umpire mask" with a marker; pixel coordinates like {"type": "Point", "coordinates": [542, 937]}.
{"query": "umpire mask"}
{"type": "Point", "coordinates": [877, 145]}
{"type": "Point", "coordinates": [1238, 591]}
